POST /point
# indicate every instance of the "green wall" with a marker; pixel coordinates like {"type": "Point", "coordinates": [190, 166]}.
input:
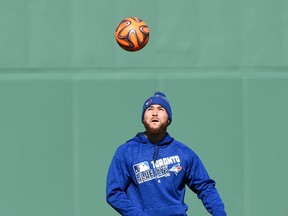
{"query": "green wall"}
{"type": "Point", "coordinates": [69, 96]}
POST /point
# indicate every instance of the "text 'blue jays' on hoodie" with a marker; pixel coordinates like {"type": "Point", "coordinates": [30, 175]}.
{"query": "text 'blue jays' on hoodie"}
{"type": "Point", "coordinates": [146, 179]}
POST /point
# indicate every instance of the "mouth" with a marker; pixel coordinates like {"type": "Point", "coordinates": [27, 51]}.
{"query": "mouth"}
{"type": "Point", "coordinates": [154, 120]}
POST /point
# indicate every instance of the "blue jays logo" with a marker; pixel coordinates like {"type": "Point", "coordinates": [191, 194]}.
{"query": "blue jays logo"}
{"type": "Point", "coordinates": [176, 169]}
{"type": "Point", "coordinates": [148, 102]}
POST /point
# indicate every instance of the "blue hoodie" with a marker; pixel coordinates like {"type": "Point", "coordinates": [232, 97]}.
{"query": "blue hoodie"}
{"type": "Point", "coordinates": [146, 179]}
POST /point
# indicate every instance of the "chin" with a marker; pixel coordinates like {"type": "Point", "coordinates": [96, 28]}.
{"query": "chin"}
{"type": "Point", "coordinates": [155, 129]}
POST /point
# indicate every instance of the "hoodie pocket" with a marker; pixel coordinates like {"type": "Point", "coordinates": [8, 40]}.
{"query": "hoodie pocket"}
{"type": "Point", "coordinates": [176, 210]}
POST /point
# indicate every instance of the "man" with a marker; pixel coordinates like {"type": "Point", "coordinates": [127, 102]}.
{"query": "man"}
{"type": "Point", "coordinates": [149, 173]}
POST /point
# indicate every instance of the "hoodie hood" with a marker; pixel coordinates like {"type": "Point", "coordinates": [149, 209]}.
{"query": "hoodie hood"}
{"type": "Point", "coordinates": [141, 138]}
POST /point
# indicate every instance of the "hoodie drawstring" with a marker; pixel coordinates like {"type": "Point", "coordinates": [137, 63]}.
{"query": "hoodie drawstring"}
{"type": "Point", "coordinates": [156, 150]}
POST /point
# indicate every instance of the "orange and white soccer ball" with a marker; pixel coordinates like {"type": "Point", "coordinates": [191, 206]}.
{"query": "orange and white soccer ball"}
{"type": "Point", "coordinates": [132, 34]}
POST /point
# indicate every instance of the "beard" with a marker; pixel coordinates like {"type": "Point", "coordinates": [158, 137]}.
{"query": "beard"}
{"type": "Point", "coordinates": [162, 128]}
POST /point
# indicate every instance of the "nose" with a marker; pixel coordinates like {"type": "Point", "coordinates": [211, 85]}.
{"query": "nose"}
{"type": "Point", "coordinates": [155, 112]}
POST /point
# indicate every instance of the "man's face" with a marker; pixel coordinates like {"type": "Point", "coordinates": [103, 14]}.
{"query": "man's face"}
{"type": "Point", "coordinates": [156, 119]}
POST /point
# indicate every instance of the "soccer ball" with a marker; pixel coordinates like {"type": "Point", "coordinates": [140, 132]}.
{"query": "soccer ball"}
{"type": "Point", "coordinates": [132, 34]}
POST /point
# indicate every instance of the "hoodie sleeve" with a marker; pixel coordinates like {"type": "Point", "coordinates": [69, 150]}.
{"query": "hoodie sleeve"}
{"type": "Point", "coordinates": [200, 183]}
{"type": "Point", "coordinates": [118, 180]}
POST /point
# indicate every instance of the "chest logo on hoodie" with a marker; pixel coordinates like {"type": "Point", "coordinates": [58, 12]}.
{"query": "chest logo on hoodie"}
{"type": "Point", "coordinates": [176, 169]}
{"type": "Point", "coordinates": [160, 168]}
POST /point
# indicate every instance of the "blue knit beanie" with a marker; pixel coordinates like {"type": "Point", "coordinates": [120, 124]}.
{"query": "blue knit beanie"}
{"type": "Point", "coordinates": [158, 98]}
